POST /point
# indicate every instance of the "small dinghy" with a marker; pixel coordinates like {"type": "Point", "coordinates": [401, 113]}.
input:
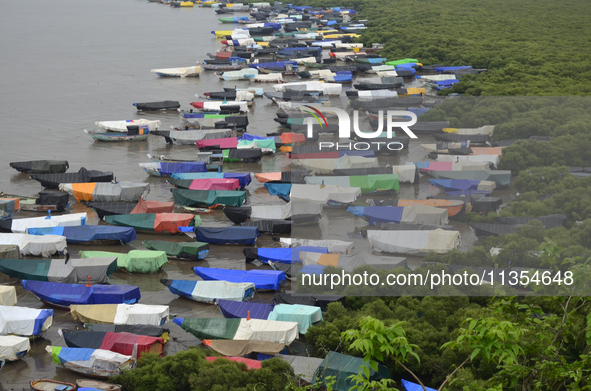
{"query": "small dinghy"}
{"type": "Point", "coordinates": [91, 362]}
{"type": "Point", "coordinates": [115, 137]}
{"type": "Point", "coordinates": [155, 106]}
{"type": "Point", "coordinates": [236, 309]}
{"type": "Point", "coordinates": [193, 251]}
{"type": "Point", "coordinates": [103, 209]}
{"type": "Point", "coordinates": [262, 279]}
{"type": "Point", "coordinates": [41, 166]}
{"type": "Point", "coordinates": [139, 329]}
{"type": "Point", "coordinates": [13, 348]}
{"type": "Point", "coordinates": [23, 225]}
{"type": "Point", "coordinates": [52, 181]}
{"type": "Point", "coordinates": [123, 343]}
{"type": "Point", "coordinates": [121, 126]}
{"type": "Point", "coordinates": [209, 291]}
{"type": "Point", "coordinates": [28, 322]}
{"type": "Point", "coordinates": [108, 192]}
{"type": "Point", "coordinates": [136, 261]}
{"type": "Point", "coordinates": [121, 314]}
{"type": "Point", "coordinates": [154, 222]}
{"type": "Point", "coordinates": [191, 71]}
{"type": "Point", "coordinates": [51, 385]}
{"type": "Point", "coordinates": [63, 295]}
{"type": "Point", "coordinates": [35, 245]}
{"type": "Point", "coordinates": [90, 234]}
{"type": "Point", "coordinates": [97, 385]}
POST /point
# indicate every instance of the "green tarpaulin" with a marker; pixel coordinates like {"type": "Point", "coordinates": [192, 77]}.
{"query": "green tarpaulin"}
{"type": "Point", "coordinates": [136, 261]}
{"type": "Point", "coordinates": [403, 61]}
{"type": "Point", "coordinates": [220, 328]}
{"type": "Point", "coordinates": [369, 183]}
{"type": "Point", "coordinates": [342, 366]}
{"type": "Point", "coordinates": [264, 143]}
{"type": "Point", "coordinates": [208, 198]}
{"type": "Point", "coordinates": [27, 269]}
{"type": "Point", "coordinates": [143, 221]}
{"type": "Point", "coordinates": [186, 250]}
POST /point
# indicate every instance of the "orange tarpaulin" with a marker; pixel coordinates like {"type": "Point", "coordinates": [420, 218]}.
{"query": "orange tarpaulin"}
{"type": "Point", "coordinates": [287, 138]}
{"type": "Point", "coordinates": [250, 364]}
{"type": "Point", "coordinates": [453, 207]}
{"type": "Point", "coordinates": [16, 202]}
{"type": "Point", "coordinates": [328, 260]}
{"type": "Point", "coordinates": [144, 206]}
{"type": "Point", "coordinates": [170, 222]}
{"type": "Point", "coordinates": [268, 177]}
{"type": "Point", "coordinates": [83, 191]}
{"type": "Point", "coordinates": [487, 151]}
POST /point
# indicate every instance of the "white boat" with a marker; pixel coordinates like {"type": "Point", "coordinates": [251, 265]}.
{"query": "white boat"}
{"type": "Point", "coordinates": [68, 220]}
{"type": "Point", "coordinates": [178, 72]}
{"type": "Point", "coordinates": [243, 74]}
{"type": "Point", "coordinates": [414, 242]}
{"type": "Point", "coordinates": [121, 126]}
{"type": "Point", "coordinates": [123, 314]}
{"type": "Point", "coordinates": [268, 77]}
{"type": "Point", "coordinates": [45, 245]}
{"type": "Point", "coordinates": [28, 322]}
{"type": "Point", "coordinates": [13, 348]}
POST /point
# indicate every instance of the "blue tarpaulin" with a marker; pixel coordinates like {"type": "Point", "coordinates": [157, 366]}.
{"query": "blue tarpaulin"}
{"type": "Point", "coordinates": [40, 320]}
{"type": "Point", "coordinates": [236, 309]}
{"type": "Point", "coordinates": [62, 294]}
{"type": "Point", "coordinates": [88, 233]}
{"type": "Point", "coordinates": [172, 168]}
{"type": "Point", "coordinates": [443, 69]}
{"type": "Point", "coordinates": [378, 214]}
{"type": "Point", "coordinates": [279, 64]}
{"type": "Point", "coordinates": [287, 255]}
{"type": "Point", "coordinates": [75, 354]}
{"type": "Point", "coordinates": [227, 235]}
{"type": "Point", "coordinates": [262, 279]}
{"type": "Point", "coordinates": [186, 288]}
{"type": "Point", "coordinates": [279, 189]}
{"type": "Point", "coordinates": [459, 186]}
{"type": "Point", "coordinates": [243, 179]}
{"type": "Point", "coordinates": [410, 386]}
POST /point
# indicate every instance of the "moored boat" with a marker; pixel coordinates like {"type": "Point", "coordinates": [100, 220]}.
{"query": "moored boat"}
{"type": "Point", "coordinates": [91, 362]}
{"type": "Point", "coordinates": [209, 291]}
{"type": "Point", "coordinates": [51, 385]}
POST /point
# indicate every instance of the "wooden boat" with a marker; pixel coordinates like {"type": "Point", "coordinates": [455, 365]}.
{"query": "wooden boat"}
{"type": "Point", "coordinates": [97, 136]}
{"type": "Point", "coordinates": [99, 385]}
{"type": "Point", "coordinates": [50, 385]}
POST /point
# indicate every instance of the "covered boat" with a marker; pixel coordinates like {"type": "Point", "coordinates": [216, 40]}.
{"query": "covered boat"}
{"type": "Point", "coordinates": [262, 279]}
{"type": "Point", "coordinates": [508, 224]}
{"type": "Point", "coordinates": [139, 329]}
{"type": "Point", "coordinates": [72, 271]}
{"type": "Point", "coordinates": [131, 135]}
{"type": "Point", "coordinates": [121, 314]}
{"type": "Point", "coordinates": [206, 183]}
{"type": "Point", "coordinates": [350, 262]}
{"type": "Point", "coordinates": [240, 329]}
{"type": "Point", "coordinates": [136, 261]}
{"type": "Point", "coordinates": [328, 166]}
{"type": "Point", "coordinates": [428, 167]}
{"type": "Point", "coordinates": [41, 166]}
{"type": "Point", "coordinates": [123, 343]}
{"type": "Point", "coordinates": [417, 214]}
{"type": "Point", "coordinates": [167, 169]}
{"type": "Point", "coordinates": [121, 126]}
{"type": "Point", "coordinates": [281, 255]}
{"type": "Point", "coordinates": [244, 155]}
{"type": "Point", "coordinates": [63, 295]}
{"type": "Point", "coordinates": [209, 291]}
{"type": "Point", "coordinates": [294, 176]}
{"type": "Point", "coordinates": [193, 251]}
{"type": "Point", "coordinates": [178, 72]}
{"type": "Point", "coordinates": [52, 181]}
{"type": "Point", "coordinates": [414, 242]}
{"type": "Point", "coordinates": [22, 225]}
{"type": "Point", "coordinates": [244, 179]}
{"type": "Point", "coordinates": [46, 245]}
{"type": "Point", "coordinates": [153, 222]}
{"type": "Point", "coordinates": [304, 315]}
{"type": "Point", "coordinates": [244, 348]}
{"type": "Point", "coordinates": [7, 295]}
{"type": "Point", "coordinates": [270, 226]}
{"type": "Point", "coordinates": [341, 367]}
{"type": "Point", "coordinates": [223, 106]}
{"type": "Point", "coordinates": [303, 367]}
{"type": "Point", "coordinates": [121, 208]}
{"type": "Point", "coordinates": [492, 159]}
{"type": "Point", "coordinates": [297, 212]}
{"type": "Point", "coordinates": [459, 187]}
{"type": "Point", "coordinates": [333, 246]}
{"type": "Point", "coordinates": [91, 362]}
{"type": "Point", "coordinates": [13, 348]}
{"type": "Point", "coordinates": [325, 194]}
{"type": "Point", "coordinates": [236, 309]}
{"type": "Point", "coordinates": [499, 177]}
{"type": "Point", "coordinates": [243, 74]}
{"type": "Point", "coordinates": [156, 106]}
{"type": "Point", "coordinates": [89, 234]}
{"type": "Point", "coordinates": [227, 235]}
{"type": "Point", "coordinates": [316, 300]}
{"type": "Point", "coordinates": [190, 137]}
{"type": "Point", "coordinates": [367, 183]}
{"type": "Point", "coordinates": [48, 200]}
{"type": "Point", "coordinates": [108, 192]}
{"type": "Point", "coordinates": [208, 198]}
{"type": "Point", "coordinates": [453, 207]}
{"type": "Point", "coordinates": [24, 321]}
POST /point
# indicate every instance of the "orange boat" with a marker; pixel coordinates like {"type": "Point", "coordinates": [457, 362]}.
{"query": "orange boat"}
{"type": "Point", "coordinates": [454, 207]}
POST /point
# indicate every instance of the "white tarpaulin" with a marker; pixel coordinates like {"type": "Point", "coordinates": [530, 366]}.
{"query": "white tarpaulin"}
{"type": "Point", "coordinates": [413, 242]}
{"type": "Point", "coordinates": [494, 159]}
{"type": "Point", "coordinates": [76, 271]}
{"type": "Point", "coordinates": [45, 245]}
{"type": "Point", "coordinates": [11, 345]}
{"type": "Point", "coordinates": [285, 211]}
{"type": "Point", "coordinates": [121, 126]}
{"type": "Point", "coordinates": [68, 220]}
{"type": "Point", "coordinates": [487, 129]}
{"type": "Point", "coordinates": [376, 94]}
{"type": "Point", "coordinates": [424, 214]}
{"type": "Point", "coordinates": [326, 88]}
{"type": "Point", "coordinates": [21, 320]}
{"type": "Point", "coordinates": [301, 61]}
{"type": "Point", "coordinates": [7, 295]}
{"type": "Point", "coordinates": [324, 194]}
{"type": "Point", "coordinates": [123, 314]}
{"type": "Point", "coordinates": [240, 42]}
{"type": "Point", "coordinates": [432, 78]}
{"type": "Point", "coordinates": [333, 246]}
{"type": "Point", "coordinates": [267, 330]}
{"type": "Point", "coordinates": [268, 77]}
{"type": "Point", "coordinates": [381, 68]}
{"type": "Point", "coordinates": [180, 72]}
{"type": "Point", "coordinates": [241, 74]}
{"type": "Point", "coordinates": [406, 173]}
{"type": "Point", "coordinates": [101, 363]}
{"type": "Point", "coordinates": [327, 166]}
{"type": "Point", "coordinates": [208, 291]}
{"type": "Point", "coordinates": [217, 105]}
{"type": "Point", "coordinates": [244, 96]}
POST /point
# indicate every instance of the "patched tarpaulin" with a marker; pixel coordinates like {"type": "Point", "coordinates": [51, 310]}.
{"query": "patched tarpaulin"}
{"type": "Point", "coordinates": [59, 270]}
{"type": "Point", "coordinates": [108, 192]}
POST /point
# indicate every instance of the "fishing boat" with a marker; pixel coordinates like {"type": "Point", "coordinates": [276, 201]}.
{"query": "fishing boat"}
{"type": "Point", "coordinates": [154, 222]}
{"type": "Point", "coordinates": [27, 322]}
{"type": "Point", "coordinates": [114, 137]}
{"type": "Point", "coordinates": [52, 181]}
{"type": "Point", "coordinates": [136, 261]}
{"type": "Point", "coordinates": [183, 250]}
{"type": "Point", "coordinates": [262, 279]}
{"type": "Point", "coordinates": [93, 270]}
{"type": "Point", "coordinates": [96, 363]}
{"type": "Point", "coordinates": [51, 385]}
{"type": "Point", "coordinates": [90, 234]}
{"type": "Point", "coordinates": [97, 385]}
{"type": "Point", "coordinates": [209, 291]}
{"type": "Point", "coordinates": [121, 314]}
{"type": "Point", "coordinates": [123, 343]}
{"type": "Point", "coordinates": [41, 166]}
{"type": "Point", "coordinates": [63, 295]}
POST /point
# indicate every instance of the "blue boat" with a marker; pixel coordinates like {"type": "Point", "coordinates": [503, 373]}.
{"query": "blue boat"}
{"type": "Point", "coordinates": [235, 309]}
{"type": "Point", "coordinates": [227, 235]}
{"type": "Point", "coordinates": [244, 179]}
{"type": "Point", "coordinates": [280, 255]}
{"type": "Point", "coordinates": [279, 189]}
{"type": "Point", "coordinates": [89, 234]}
{"type": "Point", "coordinates": [210, 291]}
{"type": "Point", "coordinates": [63, 295]}
{"type": "Point", "coordinates": [262, 279]}
{"type": "Point", "coordinates": [460, 187]}
{"type": "Point", "coordinates": [277, 64]}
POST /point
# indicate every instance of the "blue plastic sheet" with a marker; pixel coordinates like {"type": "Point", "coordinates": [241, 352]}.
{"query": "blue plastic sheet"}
{"type": "Point", "coordinates": [279, 189]}
{"type": "Point", "coordinates": [287, 255]}
{"type": "Point", "coordinates": [182, 288]}
{"type": "Point", "coordinates": [62, 294]}
{"type": "Point", "coordinates": [75, 354]}
{"type": "Point", "coordinates": [262, 279]}
{"type": "Point", "coordinates": [410, 386]}
{"type": "Point", "coordinates": [41, 318]}
{"type": "Point", "coordinates": [88, 233]}
{"type": "Point", "coordinates": [171, 168]}
{"type": "Point", "coordinates": [236, 309]}
{"type": "Point", "coordinates": [379, 214]}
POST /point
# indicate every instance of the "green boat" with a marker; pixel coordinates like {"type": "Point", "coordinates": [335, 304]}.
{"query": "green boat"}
{"type": "Point", "coordinates": [136, 261]}
{"type": "Point", "coordinates": [403, 61]}
{"type": "Point", "coordinates": [155, 222]}
{"type": "Point", "coordinates": [208, 198]}
{"type": "Point", "coordinates": [193, 251]}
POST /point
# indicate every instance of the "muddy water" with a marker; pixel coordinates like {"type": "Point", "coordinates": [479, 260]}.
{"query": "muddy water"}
{"type": "Point", "coordinates": [68, 64]}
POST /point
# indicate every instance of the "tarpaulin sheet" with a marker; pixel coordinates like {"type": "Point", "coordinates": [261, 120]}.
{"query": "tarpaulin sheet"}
{"type": "Point", "coordinates": [7, 295]}
{"type": "Point", "coordinates": [208, 291]}
{"type": "Point", "coordinates": [270, 226]}
{"type": "Point", "coordinates": [244, 179]}
{"type": "Point", "coordinates": [139, 329]}
{"type": "Point", "coordinates": [136, 261]}
{"type": "Point", "coordinates": [303, 367]}
{"type": "Point", "coordinates": [173, 168]}
{"type": "Point", "coordinates": [107, 192]}
{"type": "Point", "coordinates": [57, 198]}
{"type": "Point", "coordinates": [96, 362]}
{"type": "Point", "coordinates": [35, 245]}
{"type": "Point", "coordinates": [88, 233]}
{"type": "Point", "coordinates": [83, 175]}
{"type": "Point", "coordinates": [286, 255]}
{"type": "Point", "coordinates": [153, 222]}
{"type": "Point", "coordinates": [186, 250]}
{"type": "Point", "coordinates": [250, 364]}
{"type": "Point", "coordinates": [466, 187]}
{"type": "Point", "coordinates": [219, 328]}
{"type": "Point", "coordinates": [327, 166]}
{"type": "Point", "coordinates": [262, 279]}
{"type": "Point", "coordinates": [74, 219]}
{"type": "Point", "coordinates": [342, 367]}
{"type": "Point", "coordinates": [234, 309]}
{"type": "Point", "coordinates": [121, 314]}
{"type": "Point", "coordinates": [267, 330]}
{"type": "Point", "coordinates": [218, 143]}
{"type": "Point", "coordinates": [304, 315]}
{"type": "Point", "coordinates": [144, 206]}
{"type": "Point", "coordinates": [227, 235]}
{"type": "Point", "coordinates": [208, 198]}
{"type": "Point", "coordinates": [58, 270]}
{"type": "Point", "coordinates": [279, 189]}
{"type": "Point", "coordinates": [418, 214]}
{"type": "Point", "coordinates": [12, 347]}
{"type": "Point", "coordinates": [162, 105]}
{"type": "Point", "coordinates": [214, 184]}
{"type": "Point", "coordinates": [334, 246]}
{"type": "Point", "coordinates": [24, 321]}
{"type": "Point", "coordinates": [245, 155]}
{"type": "Point", "coordinates": [66, 294]}
{"type": "Point", "coordinates": [122, 343]}
{"type": "Point", "coordinates": [325, 194]}
{"type": "Point", "coordinates": [414, 242]}
{"type": "Point", "coordinates": [244, 348]}
{"type": "Point", "coordinates": [41, 166]}
{"type": "Point", "coordinates": [321, 301]}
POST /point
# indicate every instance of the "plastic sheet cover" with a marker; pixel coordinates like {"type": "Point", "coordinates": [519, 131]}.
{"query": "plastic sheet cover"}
{"type": "Point", "coordinates": [324, 194]}
{"type": "Point", "coordinates": [7, 295]}
{"type": "Point", "coordinates": [21, 225]}
{"type": "Point", "coordinates": [244, 179]}
{"type": "Point", "coordinates": [107, 192]}
{"type": "Point", "coordinates": [153, 222]}
{"type": "Point", "coordinates": [267, 330]}
{"type": "Point", "coordinates": [66, 294]}
{"type": "Point", "coordinates": [413, 242]}
{"type": "Point", "coordinates": [304, 315]}
{"type": "Point", "coordinates": [342, 366]}
{"type": "Point", "coordinates": [234, 309]}
{"type": "Point", "coordinates": [150, 331]}
{"type": "Point", "coordinates": [53, 198]}
{"type": "Point", "coordinates": [83, 175]}
{"type": "Point", "coordinates": [123, 343]}
{"type": "Point", "coordinates": [244, 348]}
{"type": "Point", "coordinates": [186, 250]}
{"type": "Point", "coordinates": [208, 198]}
{"type": "Point", "coordinates": [262, 279]}
{"type": "Point", "coordinates": [218, 328]}
{"type": "Point", "coordinates": [418, 214]}
{"type": "Point", "coordinates": [57, 270]}
{"type": "Point", "coordinates": [144, 206]}
{"type": "Point", "coordinates": [285, 255]}
{"type": "Point", "coordinates": [11, 345]}
{"type": "Point", "coordinates": [98, 362]}
{"type": "Point", "coordinates": [350, 262]}
{"type": "Point", "coordinates": [227, 235]}
{"type": "Point", "coordinates": [245, 155]}
{"type": "Point", "coordinates": [41, 166]}
{"type": "Point", "coordinates": [321, 301]}
{"type": "Point", "coordinates": [208, 291]}
{"type": "Point", "coordinates": [24, 321]}
{"type": "Point", "coordinates": [334, 246]}
{"type": "Point", "coordinates": [500, 177]}
{"type": "Point", "coordinates": [121, 314]}
{"type": "Point", "coordinates": [88, 233]}
{"type": "Point", "coordinates": [366, 183]}
{"type": "Point", "coordinates": [45, 246]}
{"type": "Point", "coordinates": [136, 261]}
